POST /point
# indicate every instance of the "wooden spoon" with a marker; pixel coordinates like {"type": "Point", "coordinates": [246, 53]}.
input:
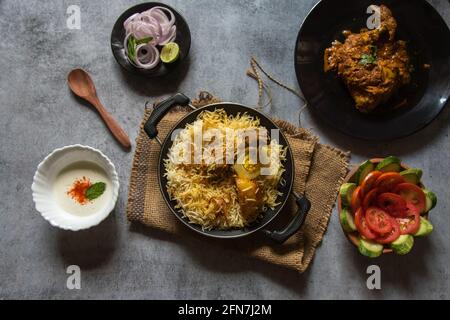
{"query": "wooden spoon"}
{"type": "Point", "coordinates": [82, 85]}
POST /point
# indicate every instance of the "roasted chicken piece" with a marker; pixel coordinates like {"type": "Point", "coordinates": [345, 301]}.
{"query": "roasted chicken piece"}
{"type": "Point", "coordinates": [249, 197]}
{"type": "Point", "coordinates": [372, 63]}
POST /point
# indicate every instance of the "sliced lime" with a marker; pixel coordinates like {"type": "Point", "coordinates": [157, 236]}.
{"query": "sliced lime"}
{"type": "Point", "coordinates": [170, 52]}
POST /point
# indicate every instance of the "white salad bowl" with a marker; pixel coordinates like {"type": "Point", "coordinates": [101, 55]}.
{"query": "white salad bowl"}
{"type": "Point", "coordinates": [42, 187]}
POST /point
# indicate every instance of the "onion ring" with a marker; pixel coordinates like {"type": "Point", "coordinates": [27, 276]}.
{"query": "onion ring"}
{"type": "Point", "coordinates": [154, 59]}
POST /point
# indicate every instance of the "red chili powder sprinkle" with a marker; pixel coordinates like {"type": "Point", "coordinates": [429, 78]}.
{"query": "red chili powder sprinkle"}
{"type": "Point", "coordinates": [78, 190]}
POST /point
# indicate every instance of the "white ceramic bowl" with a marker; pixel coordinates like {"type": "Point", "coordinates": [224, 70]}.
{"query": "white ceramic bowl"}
{"type": "Point", "coordinates": [43, 183]}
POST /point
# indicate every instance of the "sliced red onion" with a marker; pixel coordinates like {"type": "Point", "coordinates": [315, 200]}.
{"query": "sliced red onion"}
{"type": "Point", "coordinates": [144, 57]}
{"type": "Point", "coordinates": [158, 13]}
{"type": "Point", "coordinates": [142, 31]}
{"type": "Point", "coordinates": [161, 10]}
{"type": "Point", "coordinates": [125, 43]}
{"type": "Point", "coordinates": [169, 37]}
{"type": "Point", "coordinates": [130, 19]}
{"type": "Point", "coordinates": [157, 23]}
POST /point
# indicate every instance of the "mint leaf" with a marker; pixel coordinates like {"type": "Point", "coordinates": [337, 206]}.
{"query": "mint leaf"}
{"type": "Point", "coordinates": [95, 190]}
{"type": "Point", "coordinates": [131, 46]}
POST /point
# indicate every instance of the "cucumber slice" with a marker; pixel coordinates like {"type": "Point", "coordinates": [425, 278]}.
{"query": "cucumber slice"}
{"type": "Point", "coordinates": [403, 244]}
{"type": "Point", "coordinates": [430, 198]}
{"type": "Point", "coordinates": [345, 192]}
{"type": "Point", "coordinates": [425, 228]}
{"type": "Point", "coordinates": [370, 249]}
{"type": "Point", "coordinates": [364, 169]}
{"type": "Point", "coordinates": [389, 164]}
{"type": "Point", "coordinates": [347, 222]}
{"type": "Point", "coordinates": [412, 175]}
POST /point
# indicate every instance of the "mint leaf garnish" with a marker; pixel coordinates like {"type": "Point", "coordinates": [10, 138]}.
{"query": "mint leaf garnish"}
{"type": "Point", "coordinates": [144, 40]}
{"type": "Point", "coordinates": [95, 190]}
{"type": "Point", "coordinates": [369, 58]}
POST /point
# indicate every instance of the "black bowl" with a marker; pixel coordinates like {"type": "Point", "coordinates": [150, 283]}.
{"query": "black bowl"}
{"type": "Point", "coordinates": [183, 39]}
{"type": "Point", "coordinates": [428, 42]}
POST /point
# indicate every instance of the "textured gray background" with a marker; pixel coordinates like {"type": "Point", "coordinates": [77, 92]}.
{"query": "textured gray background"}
{"type": "Point", "coordinates": [38, 114]}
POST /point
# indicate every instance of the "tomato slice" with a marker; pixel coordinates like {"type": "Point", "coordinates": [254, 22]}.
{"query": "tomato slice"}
{"type": "Point", "coordinates": [361, 225]}
{"type": "Point", "coordinates": [392, 203]}
{"type": "Point", "coordinates": [411, 223]}
{"type": "Point", "coordinates": [412, 194]}
{"type": "Point", "coordinates": [378, 220]}
{"type": "Point", "coordinates": [356, 199]}
{"type": "Point", "coordinates": [392, 235]}
{"type": "Point", "coordinates": [370, 198]}
{"type": "Point", "coordinates": [388, 181]}
{"type": "Point", "coordinates": [369, 182]}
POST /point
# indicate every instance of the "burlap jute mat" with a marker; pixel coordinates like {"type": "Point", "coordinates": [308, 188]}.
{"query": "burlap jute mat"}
{"type": "Point", "coordinates": [319, 171]}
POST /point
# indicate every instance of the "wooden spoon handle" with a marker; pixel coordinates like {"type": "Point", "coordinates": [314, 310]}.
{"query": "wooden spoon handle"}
{"type": "Point", "coordinates": [112, 124]}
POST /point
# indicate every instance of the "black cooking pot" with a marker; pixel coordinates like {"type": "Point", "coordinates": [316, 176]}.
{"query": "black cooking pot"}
{"type": "Point", "coordinates": [303, 204]}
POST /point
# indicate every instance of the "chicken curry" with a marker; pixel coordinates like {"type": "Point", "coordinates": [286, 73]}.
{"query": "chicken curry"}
{"type": "Point", "coordinates": [372, 64]}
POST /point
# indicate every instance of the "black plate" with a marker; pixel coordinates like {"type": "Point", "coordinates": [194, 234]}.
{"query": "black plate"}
{"type": "Point", "coordinates": [183, 39]}
{"type": "Point", "coordinates": [288, 174]}
{"type": "Point", "coordinates": [428, 41]}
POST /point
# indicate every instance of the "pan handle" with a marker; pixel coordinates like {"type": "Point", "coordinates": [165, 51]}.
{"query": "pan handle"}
{"type": "Point", "coordinates": [160, 110]}
{"type": "Point", "coordinates": [296, 223]}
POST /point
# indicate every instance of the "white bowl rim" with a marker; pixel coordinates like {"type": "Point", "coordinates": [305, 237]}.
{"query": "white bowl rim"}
{"type": "Point", "coordinates": [80, 222]}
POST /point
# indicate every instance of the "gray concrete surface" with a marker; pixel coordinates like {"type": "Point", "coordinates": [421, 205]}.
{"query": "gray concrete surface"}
{"type": "Point", "coordinates": [38, 114]}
